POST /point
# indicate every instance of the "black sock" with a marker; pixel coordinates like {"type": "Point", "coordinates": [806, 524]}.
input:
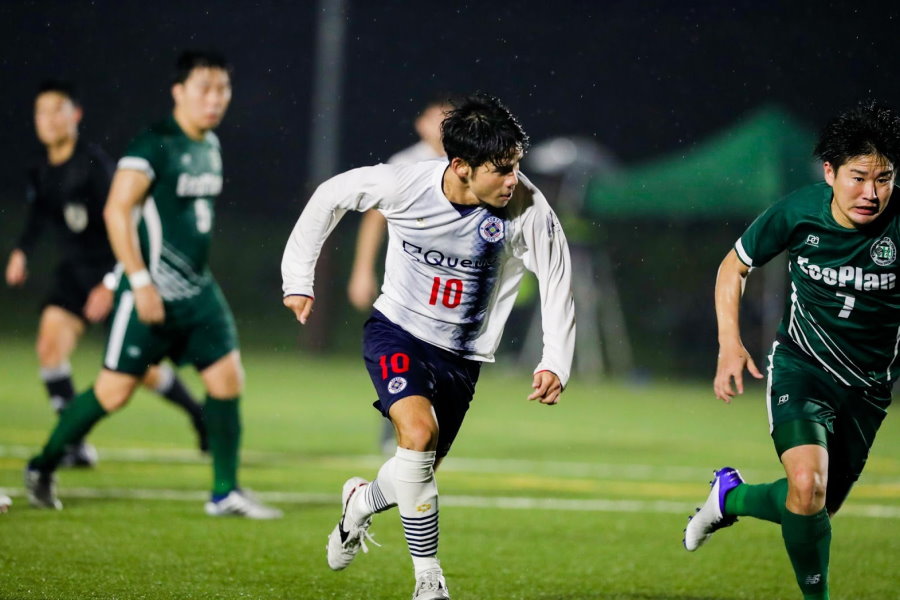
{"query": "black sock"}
{"type": "Point", "coordinates": [59, 386]}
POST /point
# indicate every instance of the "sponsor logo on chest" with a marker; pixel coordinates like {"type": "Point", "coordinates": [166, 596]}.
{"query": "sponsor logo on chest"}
{"type": "Point", "coordinates": [847, 276]}
{"type": "Point", "coordinates": [207, 184]}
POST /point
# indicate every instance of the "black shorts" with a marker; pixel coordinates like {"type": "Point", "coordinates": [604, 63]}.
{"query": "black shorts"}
{"type": "Point", "coordinates": [72, 283]}
{"type": "Point", "coordinates": [402, 365]}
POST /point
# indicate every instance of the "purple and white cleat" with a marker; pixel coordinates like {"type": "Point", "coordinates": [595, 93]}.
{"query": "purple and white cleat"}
{"type": "Point", "coordinates": [711, 516]}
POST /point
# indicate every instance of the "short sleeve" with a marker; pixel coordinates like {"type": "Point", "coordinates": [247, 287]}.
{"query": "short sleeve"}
{"type": "Point", "coordinates": [143, 154]}
{"type": "Point", "coordinates": [766, 237]}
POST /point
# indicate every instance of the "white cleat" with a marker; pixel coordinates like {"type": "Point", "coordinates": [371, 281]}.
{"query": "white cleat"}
{"type": "Point", "coordinates": [431, 585]}
{"type": "Point", "coordinates": [344, 544]}
{"type": "Point", "coordinates": [711, 517]}
{"type": "Point", "coordinates": [238, 503]}
{"type": "Point", "coordinates": [40, 488]}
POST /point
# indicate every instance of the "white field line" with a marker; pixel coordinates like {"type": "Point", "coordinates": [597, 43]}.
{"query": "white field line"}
{"type": "Point", "coordinates": [490, 502]}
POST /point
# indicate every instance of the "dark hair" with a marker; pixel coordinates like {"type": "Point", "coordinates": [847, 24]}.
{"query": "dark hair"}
{"type": "Point", "coordinates": [481, 129]}
{"type": "Point", "coordinates": [868, 128]}
{"type": "Point", "coordinates": [59, 86]}
{"type": "Point", "coordinates": [198, 59]}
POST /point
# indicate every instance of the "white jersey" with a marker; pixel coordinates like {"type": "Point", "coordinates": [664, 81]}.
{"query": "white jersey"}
{"type": "Point", "coordinates": [452, 271]}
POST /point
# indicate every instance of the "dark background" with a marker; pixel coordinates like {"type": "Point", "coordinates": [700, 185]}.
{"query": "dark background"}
{"type": "Point", "coordinates": [642, 78]}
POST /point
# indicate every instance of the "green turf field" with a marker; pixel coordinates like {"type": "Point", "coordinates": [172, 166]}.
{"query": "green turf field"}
{"type": "Point", "coordinates": [581, 501]}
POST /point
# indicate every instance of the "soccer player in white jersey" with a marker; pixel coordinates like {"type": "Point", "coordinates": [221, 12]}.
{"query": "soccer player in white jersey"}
{"type": "Point", "coordinates": [462, 230]}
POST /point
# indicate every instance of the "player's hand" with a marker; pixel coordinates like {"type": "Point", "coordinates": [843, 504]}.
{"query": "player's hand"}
{"type": "Point", "coordinates": [547, 388]}
{"type": "Point", "coordinates": [362, 289]}
{"type": "Point", "coordinates": [301, 306]}
{"type": "Point", "coordinates": [16, 268]}
{"type": "Point", "coordinates": [98, 304]}
{"type": "Point", "coordinates": [149, 305]}
{"type": "Point", "coordinates": [733, 359]}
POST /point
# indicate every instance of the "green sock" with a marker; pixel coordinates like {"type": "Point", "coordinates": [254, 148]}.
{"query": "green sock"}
{"type": "Point", "coordinates": [808, 542]}
{"type": "Point", "coordinates": [78, 418]}
{"type": "Point", "coordinates": [223, 426]}
{"type": "Point", "coordinates": [764, 501]}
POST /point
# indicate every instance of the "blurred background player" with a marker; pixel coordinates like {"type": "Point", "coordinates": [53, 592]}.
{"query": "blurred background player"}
{"type": "Point", "coordinates": [834, 359]}
{"type": "Point", "coordinates": [66, 191]}
{"type": "Point", "coordinates": [362, 288]}
{"type": "Point", "coordinates": [168, 304]}
{"type": "Point", "coordinates": [462, 234]}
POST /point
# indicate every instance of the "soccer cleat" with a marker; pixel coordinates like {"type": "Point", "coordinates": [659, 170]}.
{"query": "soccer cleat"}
{"type": "Point", "coordinates": [41, 489]}
{"type": "Point", "coordinates": [430, 585]}
{"type": "Point", "coordinates": [344, 544]}
{"type": "Point", "coordinates": [239, 503]}
{"type": "Point", "coordinates": [711, 517]}
{"type": "Point", "coordinates": [80, 454]}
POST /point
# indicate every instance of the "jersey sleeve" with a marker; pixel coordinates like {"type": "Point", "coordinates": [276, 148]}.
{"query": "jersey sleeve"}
{"type": "Point", "coordinates": [547, 256]}
{"type": "Point", "coordinates": [144, 154]}
{"type": "Point", "coordinates": [766, 237]}
{"type": "Point", "coordinates": [35, 217]}
{"type": "Point", "coordinates": [359, 190]}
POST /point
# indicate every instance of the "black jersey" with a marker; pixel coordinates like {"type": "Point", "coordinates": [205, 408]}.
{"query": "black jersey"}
{"type": "Point", "coordinates": [70, 199]}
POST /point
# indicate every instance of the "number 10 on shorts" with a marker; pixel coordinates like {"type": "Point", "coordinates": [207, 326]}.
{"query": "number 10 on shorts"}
{"type": "Point", "coordinates": [398, 363]}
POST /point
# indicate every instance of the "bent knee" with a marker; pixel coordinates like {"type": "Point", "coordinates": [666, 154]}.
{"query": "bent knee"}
{"type": "Point", "coordinates": [421, 437]}
{"type": "Point", "coordinates": [806, 491]}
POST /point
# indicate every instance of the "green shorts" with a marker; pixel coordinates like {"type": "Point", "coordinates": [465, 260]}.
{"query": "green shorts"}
{"type": "Point", "coordinates": [807, 406]}
{"type": "Point", "coordinates": [197, 331]}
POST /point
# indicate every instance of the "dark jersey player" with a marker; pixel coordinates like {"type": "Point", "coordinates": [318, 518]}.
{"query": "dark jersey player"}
{"type": "Point", "coordinates": [66, 193]}
{"type": "Point", "coordinates": [834, 359]}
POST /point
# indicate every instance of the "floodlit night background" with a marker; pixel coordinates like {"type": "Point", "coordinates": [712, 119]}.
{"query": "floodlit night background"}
{"type": "Point", "coordinates": [662, 88]}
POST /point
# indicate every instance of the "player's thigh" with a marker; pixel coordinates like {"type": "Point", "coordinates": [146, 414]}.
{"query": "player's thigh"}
{"type": "Point", "coordinates": [58, 334]}
{"type": "Point", "coordinates": [210, 341]}
{"type": "Point", "coordinates": [132, 346]}
{"type": "Point", "coordinates": [397, 363]}
{"type": "Point", "coordinates": [224, 379]}
{"type": "Point", "coordinates": [801, 400]}
{"type": "Point", "coordinates": [860, 417]}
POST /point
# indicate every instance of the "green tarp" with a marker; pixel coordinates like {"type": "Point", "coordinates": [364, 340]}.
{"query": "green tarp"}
{"type": "Point", "coordinates": [736, 173]}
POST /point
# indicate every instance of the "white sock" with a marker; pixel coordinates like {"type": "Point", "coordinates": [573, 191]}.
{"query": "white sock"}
{"type": "Point", "coordinates": [166, 377]}
{"type": "Point", "coordinates": [376, 497]}
{"type": "Point", "coordinates": [417, 499]}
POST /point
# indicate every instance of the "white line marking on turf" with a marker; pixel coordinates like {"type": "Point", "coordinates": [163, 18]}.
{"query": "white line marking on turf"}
{"type": "Point", "coordinates": [497, 502]}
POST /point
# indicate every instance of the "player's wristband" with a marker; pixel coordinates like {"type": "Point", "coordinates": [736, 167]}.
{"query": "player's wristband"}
{"type": "Point", "coordinates": [110, 281]}
{"type": "Point", "coordinates": [139, 279]}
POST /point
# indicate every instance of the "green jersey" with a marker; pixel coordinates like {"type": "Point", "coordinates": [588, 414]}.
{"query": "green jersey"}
{"type": "Point", "coordinates": [844, 307]}
{"type": "Point", "coordinates": [176, 219]}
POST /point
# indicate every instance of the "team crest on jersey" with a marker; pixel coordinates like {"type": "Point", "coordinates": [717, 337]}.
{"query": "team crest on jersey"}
{"type": "Point", "coordinates": [396, 385]}
{"type": "Point", "coordinates": [883, 252]}
{"type": "Point", "coordinates": [76, 216]}
{"type": "Point", "coordinates": [492, 229]}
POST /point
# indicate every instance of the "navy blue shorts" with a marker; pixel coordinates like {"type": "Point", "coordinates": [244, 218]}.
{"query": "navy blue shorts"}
{"type": "Point", "coordinates": [402, 365]}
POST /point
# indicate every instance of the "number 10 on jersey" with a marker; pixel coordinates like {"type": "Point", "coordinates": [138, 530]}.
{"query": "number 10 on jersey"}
{"type": "Point", "coordinates": [451, 295]}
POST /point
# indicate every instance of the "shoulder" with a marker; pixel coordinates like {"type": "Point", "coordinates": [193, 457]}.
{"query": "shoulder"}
{"type": "Point", "coordinates": [417, 152]}
{"type": "Point", "coordinates": [96, 154]}
{"type": "Point", "coordinates": [152, 138]}
{"type": "Point", "coordinates": [527, 199]}
{"type": "Point", "coordinates": [807, 199]}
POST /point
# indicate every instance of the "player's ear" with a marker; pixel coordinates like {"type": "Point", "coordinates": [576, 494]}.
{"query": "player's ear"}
{"type": "Point", "coordinates": [830, 172]}
{"type": "Point", "coordinates": [177, 92]}
{"type": "Point", "coordinates": [461, 168]}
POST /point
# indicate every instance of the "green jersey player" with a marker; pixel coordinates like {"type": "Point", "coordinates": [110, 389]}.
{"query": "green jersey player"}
{"type": "Point", "coordinates": [168, 304]}
{"type": "Point", "coordinates": [835, 356]}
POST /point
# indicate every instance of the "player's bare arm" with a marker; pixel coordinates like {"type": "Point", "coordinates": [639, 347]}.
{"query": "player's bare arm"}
{"type": "Point", "coordinates": [547, 387]}
{"type": "Point", "coordinates": [363, 285]}
{"type": "Point", "coordinates": [301, 306]}
{"type": "Point", "coordinates": [128, 190]}
{"type": "Point", "coordinates": [16, 268]}
{"type": "Point", "coordinates": [733, 356]}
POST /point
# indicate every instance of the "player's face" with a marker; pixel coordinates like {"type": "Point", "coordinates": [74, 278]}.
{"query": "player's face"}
{"type": "Point", "coordinates": [203, 97]}
{"type": "Point", "coordinates": [56, 118]}
{"type": "Point", "coordinates": [494, 185]}
{"type": "Point", "coordinates": [862, 188]}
